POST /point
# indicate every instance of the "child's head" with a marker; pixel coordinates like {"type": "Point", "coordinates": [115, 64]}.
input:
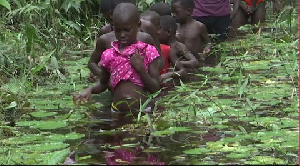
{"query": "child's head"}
{"type": "Point", "coordinates": [116, 2]}
{"type": "Point", "coordinates": [161, 8]}
{"type": "Point", "coordinates": [126, 20]}
{"type": "Point", "coordinates": [107, 7]}
{"type": "Point", "coordinates": [181, 9]}
{"type": "Point", "coordinates": [168, 28]}
{"type": "Point", "coordinates": [151, 16]}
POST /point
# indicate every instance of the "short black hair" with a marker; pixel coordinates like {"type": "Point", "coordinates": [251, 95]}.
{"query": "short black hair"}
{"type": "Point", "coordinates": [152, 16]}
{"type": "Point", "coordinates": [116, 2]}
{"type": "Point", "coordinates": [110, 5]}
{"type": "Point", "coordinates": [106, 5]}
{"type": "Point", "coordinates": [168, 22]}
{"type": "Point", "coordinates": [127, 11]}
{"type": "Point", "coordinates": [185, 3]}
{"type": "Point", "coordinates": [161, 8]}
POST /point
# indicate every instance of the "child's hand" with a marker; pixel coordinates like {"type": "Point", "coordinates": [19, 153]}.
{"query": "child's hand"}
{"type": "Point", "coordinates": [92, 78]}
{"type": "Point", "coordinates": [165, 76]}
{"type": "Point", "coordinates": [137, 61]}
{"type": "Point", "coordinates": [84, 96]}
{"type": "Point", "coordinates": [247, 10]}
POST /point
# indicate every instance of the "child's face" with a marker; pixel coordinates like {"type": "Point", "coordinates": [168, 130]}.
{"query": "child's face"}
{"type": "Point", "coordinates": [108, 16]}
{"type": "Point", "coordinates": [179, 12]}
{"type": "Point", "coordinates": [126, 31]}
{"type": "Point", "coordinates": [163, 36]}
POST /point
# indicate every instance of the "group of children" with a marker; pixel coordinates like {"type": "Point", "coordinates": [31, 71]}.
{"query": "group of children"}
{"type": "Point", "coordinates": [136, 52]}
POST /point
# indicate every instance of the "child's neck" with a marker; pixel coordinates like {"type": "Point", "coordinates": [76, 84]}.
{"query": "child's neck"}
{"type": "Point", "coordinates": [172, 40]}
{"type": "Point", "coordinates": [121, 46]}
{"type": "Point", "coordinates": [188, 20]}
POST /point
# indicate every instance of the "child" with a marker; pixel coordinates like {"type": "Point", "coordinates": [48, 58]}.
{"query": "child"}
{"type": "Point", "coordinates": [106, 9]}
{"type": "Point", "coordinates": [253, 9]}
{"type": "Point", "coordinates": [179, 56]}
{"type": "Point", "coordinates": [161, 8]}
{"type": "Point", "coordinates": [130, 64]}
{"type": "Point", "coordinates": [104, 41]}
{"type": "Point", "coordinates": [153, 17]}
{"type": "Point", "coordinates": [150, 25]}
{"type": "Point", "coordinates": [190, 32]}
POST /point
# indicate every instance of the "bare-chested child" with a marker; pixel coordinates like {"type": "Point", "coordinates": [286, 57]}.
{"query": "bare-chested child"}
{"type": "Point", "coordinates": [104, 41]}
{"type": "Point", "coordinates": [190, 32]}
{"type": "Point", "coordinates": [180, 57]}
{"type": "Point", "coordinates": [130, 65]}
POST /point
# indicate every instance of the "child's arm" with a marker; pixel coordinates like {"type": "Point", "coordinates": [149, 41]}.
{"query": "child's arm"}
{"type": "Point", "coordinates": [105, 29]}
{"type": "Point", "coordinates": [236, 4]}
{"type": "Point", "coordinates": [205, 38]}
{"type": "Point", "coordinates": [178, 68]}
{"type": "Point", "coordinates": [191, 61]}
{"type": "Point", "coordinates": [146, 38]}
{"type": "Point", "coordinates": [151, 79]}
{"type": "Point", "coordinates": [244, 7]}
{"type": "Point", "coordinates": [96, 56]}
{"type": "Point", "coordinates": [100, 87]}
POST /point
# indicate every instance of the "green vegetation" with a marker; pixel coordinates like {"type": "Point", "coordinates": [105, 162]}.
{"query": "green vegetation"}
{"type": "Point", "coordinates": [241, 111]}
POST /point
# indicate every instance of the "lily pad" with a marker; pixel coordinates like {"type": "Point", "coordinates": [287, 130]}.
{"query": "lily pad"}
{"type": "Point", "coordinates": [42, 114]}
{"type": "Point", "coordinates": [43, 124]}
{"type": "Point", "coordinates": [45, 147]}
{"type": "Point", "coordinates": [170, 131]}
{"type": "Point", "coordinates": [196, 151]}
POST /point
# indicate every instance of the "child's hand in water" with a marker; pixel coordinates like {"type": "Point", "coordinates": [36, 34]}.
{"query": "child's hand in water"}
{"type": "Point", "coordinates": [84, 96]}
{"type": "Point", "coordinates": [137, 61]}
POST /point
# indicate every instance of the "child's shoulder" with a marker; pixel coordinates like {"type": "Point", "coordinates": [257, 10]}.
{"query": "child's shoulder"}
{"type": "Point", "coordinates": [197, 23]}
{"type": "Point", "coordinates": [107, 37]}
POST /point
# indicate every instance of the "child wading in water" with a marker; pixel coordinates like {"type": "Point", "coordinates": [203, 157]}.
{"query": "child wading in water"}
{"type": "Point", "coordinates": [190, 32]}
{"type": "Point", "coordinates": [130, 65]}
{"type": "Point", "coordinates": [180, 57]}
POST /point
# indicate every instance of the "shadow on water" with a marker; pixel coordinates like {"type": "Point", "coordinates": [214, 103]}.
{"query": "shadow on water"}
{"type": "Point", "coordinates": [107, 143]}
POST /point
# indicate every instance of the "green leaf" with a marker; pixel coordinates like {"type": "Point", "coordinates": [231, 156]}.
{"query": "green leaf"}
{"type": "Point", "coordinates": [28, 138]}
{"type": "Point", "coordinates": [42, 114]}
{"type": "Point", "coordinates": [5, 4]}
{"type": "Point", "coordinates": [196, 151]}
{"type": "Point", "coordinates": [61, 137]}
{"type": "Point", "coordinates": [54, 63]}
{"type": "Point", "coordinates": [51, 125]}
{"type": "Point", "coordinates": [11, 105]}
{"type": "Point", "coordinates": [56, 157]}
{"type": "Point", "coordinates": [43, 124]}
{"type": "Point", "coordinates": [170, 131]}
{"type": "Point", "coordinates": [238, 155]}
{"type": "Point", "coordinates": [243, 87]}
{"type": "Point", "coordinates": [44, 147]}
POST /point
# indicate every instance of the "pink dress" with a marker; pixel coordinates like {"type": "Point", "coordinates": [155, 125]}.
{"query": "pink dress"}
{"type": "Point", "coordinates": [118, 62]}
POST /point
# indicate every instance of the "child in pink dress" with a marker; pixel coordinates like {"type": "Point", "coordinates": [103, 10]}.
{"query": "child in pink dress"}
{"type": "Point", "coordinates": [131, 66]}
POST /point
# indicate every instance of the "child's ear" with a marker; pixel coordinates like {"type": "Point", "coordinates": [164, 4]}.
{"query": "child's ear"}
{"type": "Point", "coordinates": [169, 32]}
{"type": "Point", "coordinates": [139, 24]}
{"type": "Point", "coordinates": [189, 11]}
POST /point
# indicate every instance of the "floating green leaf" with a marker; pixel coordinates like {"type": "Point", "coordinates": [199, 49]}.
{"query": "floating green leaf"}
{"type": "Point", "coordinates": [196, 151]}
{"type": "Point", "coordinates": [42, 114]}
{"type": "Point", "coordinates": [43, 124]}
{"type": "Point", "coordinates": [45, 147]}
